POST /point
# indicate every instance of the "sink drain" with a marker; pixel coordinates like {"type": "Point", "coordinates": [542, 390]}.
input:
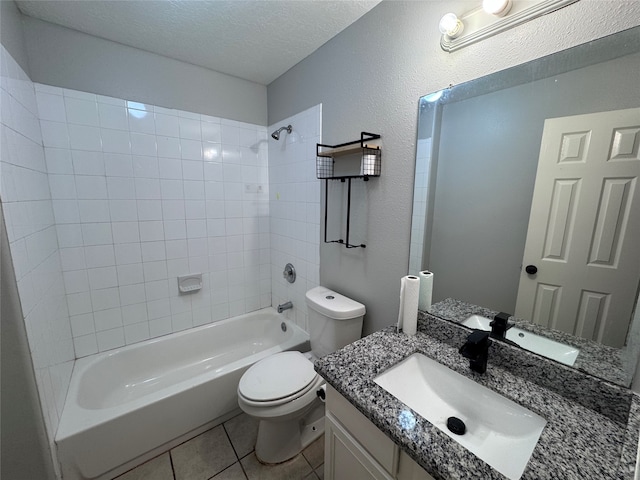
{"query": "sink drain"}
{"type": "Point", "coordinates": [455, 425]}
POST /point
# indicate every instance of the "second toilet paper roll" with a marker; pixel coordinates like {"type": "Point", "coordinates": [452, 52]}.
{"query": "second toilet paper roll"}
{"type": "Point", "coordinates": [409, 297]}
{"type": "Point", "coordinates": [426, 290]}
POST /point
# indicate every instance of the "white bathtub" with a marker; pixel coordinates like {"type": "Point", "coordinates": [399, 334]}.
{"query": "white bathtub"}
{"type": "Point", "coordinates": [127, 405]}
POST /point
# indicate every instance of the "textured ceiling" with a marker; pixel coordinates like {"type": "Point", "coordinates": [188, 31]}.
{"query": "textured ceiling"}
{"type": "Point", "coordinates": [257, 40]}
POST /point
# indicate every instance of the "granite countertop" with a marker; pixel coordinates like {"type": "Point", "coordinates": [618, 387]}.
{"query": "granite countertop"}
{"type": "Point", "coordinates": [594, 438]}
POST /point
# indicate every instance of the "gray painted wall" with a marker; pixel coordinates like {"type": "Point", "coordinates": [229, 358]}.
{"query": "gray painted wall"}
{"type": "Point", "coordinates": [370, 77]}
{"type": "Point", "coordinates": [11, 34]}
{"type": "Point", "coordinates": [23, 440]}
{"type": "Point", "coordinates": [67, 58]}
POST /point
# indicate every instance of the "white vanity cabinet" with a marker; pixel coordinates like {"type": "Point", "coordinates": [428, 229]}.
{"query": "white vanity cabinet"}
{"type": "Point", "coordinates": [356, 448]}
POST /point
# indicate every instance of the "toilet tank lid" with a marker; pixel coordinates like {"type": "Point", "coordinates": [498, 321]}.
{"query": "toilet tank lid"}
{"type": "Point", "coordinates": [333, 305]}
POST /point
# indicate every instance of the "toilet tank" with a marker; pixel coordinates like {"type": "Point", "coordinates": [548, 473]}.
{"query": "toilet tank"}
{"type": "Point", "coordinates": [334, 320]}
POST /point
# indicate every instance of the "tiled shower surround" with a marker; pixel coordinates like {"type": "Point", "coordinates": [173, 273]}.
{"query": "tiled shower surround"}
{"type": "Point", "coordinates": [294, 211]}
{"type": "Point", "coordinates": [107, 201]}
{"type": "Point", "coordinates": [142, 194]}
{"type": "Point", "coordinates": [29, 217]}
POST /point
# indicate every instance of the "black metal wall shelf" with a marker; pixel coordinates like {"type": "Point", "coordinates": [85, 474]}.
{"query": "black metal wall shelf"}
{"type": "Point", "coordinates": [370, 166]}
{"type": "Point", "coordinates": [370, 157]}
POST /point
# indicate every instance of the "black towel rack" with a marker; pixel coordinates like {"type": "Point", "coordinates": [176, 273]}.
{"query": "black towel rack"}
{"type": "Point", "coordinates": [370, 166]}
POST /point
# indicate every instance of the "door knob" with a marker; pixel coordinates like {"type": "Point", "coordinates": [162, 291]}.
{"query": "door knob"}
{"type": "Point", "coordinates": [531, 269]}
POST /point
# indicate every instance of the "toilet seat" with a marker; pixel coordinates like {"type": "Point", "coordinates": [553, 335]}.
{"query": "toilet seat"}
{"type": "Point", "coordinates": [277, 379]}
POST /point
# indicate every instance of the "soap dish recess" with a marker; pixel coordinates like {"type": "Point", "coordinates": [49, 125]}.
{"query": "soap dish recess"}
{"type": "Point", "coordinates": [190, 283]}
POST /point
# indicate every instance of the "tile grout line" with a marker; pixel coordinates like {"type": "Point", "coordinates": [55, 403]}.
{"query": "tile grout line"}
{"type": "Point", "coordinates": [173, 470]}
{"type": "Point", "coordinates": [224, 427]}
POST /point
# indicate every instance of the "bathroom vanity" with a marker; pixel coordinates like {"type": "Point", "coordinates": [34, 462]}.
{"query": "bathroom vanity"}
{"type": "Point", "coordinates": [372, 434]}
{"type": "Point", "coordinates": [356, 448]}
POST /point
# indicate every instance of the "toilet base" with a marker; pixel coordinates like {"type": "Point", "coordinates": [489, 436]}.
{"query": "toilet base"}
{"type": "Point", "coordinates": [281, 441]}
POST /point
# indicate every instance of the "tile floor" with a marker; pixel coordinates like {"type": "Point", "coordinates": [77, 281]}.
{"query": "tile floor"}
{"type": "Point", "coordinates": [226, 452]}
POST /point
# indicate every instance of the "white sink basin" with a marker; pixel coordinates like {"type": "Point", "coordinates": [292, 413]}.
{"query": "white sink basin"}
{"type": "Point", "coordinates": [498, 431]}
{"type": "Point", "coordinates": [534, 343]}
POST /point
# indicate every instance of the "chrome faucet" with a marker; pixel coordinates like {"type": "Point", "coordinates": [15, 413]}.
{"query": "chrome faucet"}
{"type": "Point", "coordinates": [476, 349]}
{"type": "Point", "coordinates": [284, 306]}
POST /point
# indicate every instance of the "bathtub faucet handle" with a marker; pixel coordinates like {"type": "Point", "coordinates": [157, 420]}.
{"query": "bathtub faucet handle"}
{"type": "Point", "coordinates": [285, 306]}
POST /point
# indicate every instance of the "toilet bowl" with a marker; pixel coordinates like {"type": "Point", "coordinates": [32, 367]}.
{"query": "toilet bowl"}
{"type": "Point", "coordinates": [281, 390]}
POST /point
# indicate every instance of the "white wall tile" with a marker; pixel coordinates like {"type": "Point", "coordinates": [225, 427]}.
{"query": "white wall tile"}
{"type": "Point", "coordinates": [190, 149]}
{"type": "Point", "coordinates": [143, 144]}
{"type": "Point", "coordinates": [115, 141]}
{"type": "Point", "coordinates": [82, 137]}
{"type": "Point", "coordinates": [99, 256]}
{"type": "Point", "coordinates": [135, 313]}
{"type": "Point", "coordinates": [135, 206]}
{"type": "Point", "coordinates": [91, 187]}
{"type": "Point", "coordinates": [82, 112]}
{"type": "Point", "coordinates": [85, 345]}
{"type": "Point", "coordinates": [168, 147]}
{"type": "Point", "coordinates": [151, 231]}
{"type": "Point", "coordinates": [141, 121]}
{"type": "Point", "coordinates": [153, 251]}
{"type": "Point", "coordinates": [102, 277]}
{"type": "Point", "coordinates": [190, 129]}
{"type": "Point", "coordinates": [54, 134]}
{"type": "Point", "coordinates": [167, 125]}
{"type": "Point", "coordinates": [148, 189]}
{"type": "Point", "coordinates": [110, 339]}
{"type": "Point", "coordinates": [97, 233]}
{"type": "Point", "coordinates": [130, 274]}
{"type": "Point", "coordinates": [113, 116]}
{"type": "Point", "coordinates": [121, 188]}
{"type": "Point", "coordinates": [58, 161]}
{"type": "Point", "coordinates": [118, 165]}
{"type": "Point", "coordinates": [51, 107]}
{"type": "Point", "coordinates": [107, 318]}
{"type": "Point", "coordinates": [82, 325]}
{"type": "Point", "coordinates": [62, 187]}
{"type": "Point", "coordinates": [123, 210]}
{"type": "Point", "coordinates": [94, 211]}
{"type": "Point", "coordinates": [132, 294]}
{"type": "Point", "coordinates": [87, 163]}
{"type": "Point", "coordinates": [30, 218]}
{"type": "Point", "coordinates": [149, 210]}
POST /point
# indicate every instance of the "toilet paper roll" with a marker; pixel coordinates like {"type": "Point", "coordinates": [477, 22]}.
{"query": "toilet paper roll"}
{"type": "Point", "coordinates": [409, 297]}
{"type": "Point", "coordinates": [426, 290]}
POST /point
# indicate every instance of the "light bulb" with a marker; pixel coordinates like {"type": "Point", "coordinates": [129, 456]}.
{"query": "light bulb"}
{"type": "Point", "coordinates": [450, 25]}
{"type": "Point", "coordinates": [498, 8]}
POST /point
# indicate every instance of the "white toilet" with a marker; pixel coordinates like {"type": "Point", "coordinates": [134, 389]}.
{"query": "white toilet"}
{"type": "Point", "coordinates": [280, 390]}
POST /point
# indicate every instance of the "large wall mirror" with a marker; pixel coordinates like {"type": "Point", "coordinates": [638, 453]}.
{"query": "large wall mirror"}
{"type": "Point", "coordinates": [527, 194]}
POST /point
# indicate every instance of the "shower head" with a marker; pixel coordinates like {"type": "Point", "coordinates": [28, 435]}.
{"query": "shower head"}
{"type": "Point", "coordinates": [276, 134]}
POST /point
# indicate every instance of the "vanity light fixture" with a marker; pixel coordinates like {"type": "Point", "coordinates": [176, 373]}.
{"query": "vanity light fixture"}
{"type": "Point", "coordinates": [493, 17]}
{"type": "Point", "coordinates": [499, 8]}
{"type": "Point", "coordinates": [450, 25]}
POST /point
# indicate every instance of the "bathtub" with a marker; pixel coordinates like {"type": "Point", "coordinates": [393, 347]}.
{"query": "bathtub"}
{"type": "Point", "coordinates": [128, 405]}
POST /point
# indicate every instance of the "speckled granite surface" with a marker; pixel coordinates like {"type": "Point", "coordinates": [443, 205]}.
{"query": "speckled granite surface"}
{"type": "Point", "coordinates": [592, 392]}
{"type": "Point", "coordinates": [577, 443]}
{"type": "Point", "coordinates": [595, 359]}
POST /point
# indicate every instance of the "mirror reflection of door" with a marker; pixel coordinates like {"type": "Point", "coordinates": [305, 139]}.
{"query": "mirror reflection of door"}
{"type": "Point", "coordinates": [584, 230]}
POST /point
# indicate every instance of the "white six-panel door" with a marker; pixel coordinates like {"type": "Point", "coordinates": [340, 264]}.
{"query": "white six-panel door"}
{"type": "Point", "coordinates": [584, 227]}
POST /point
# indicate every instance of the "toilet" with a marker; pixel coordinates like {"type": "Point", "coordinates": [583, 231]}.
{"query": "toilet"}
{"type": "Point", "coordinates": [281, 390]}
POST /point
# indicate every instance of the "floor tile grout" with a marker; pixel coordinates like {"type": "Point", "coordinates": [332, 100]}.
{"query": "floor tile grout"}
{"type": "Point", "coordinates": [251, 463]}
{"type": "Point", "coordinates": [173, 470]}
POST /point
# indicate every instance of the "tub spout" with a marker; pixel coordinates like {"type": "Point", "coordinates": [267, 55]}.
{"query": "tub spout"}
{"type": "Point", "coordinates": [284, 306]}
